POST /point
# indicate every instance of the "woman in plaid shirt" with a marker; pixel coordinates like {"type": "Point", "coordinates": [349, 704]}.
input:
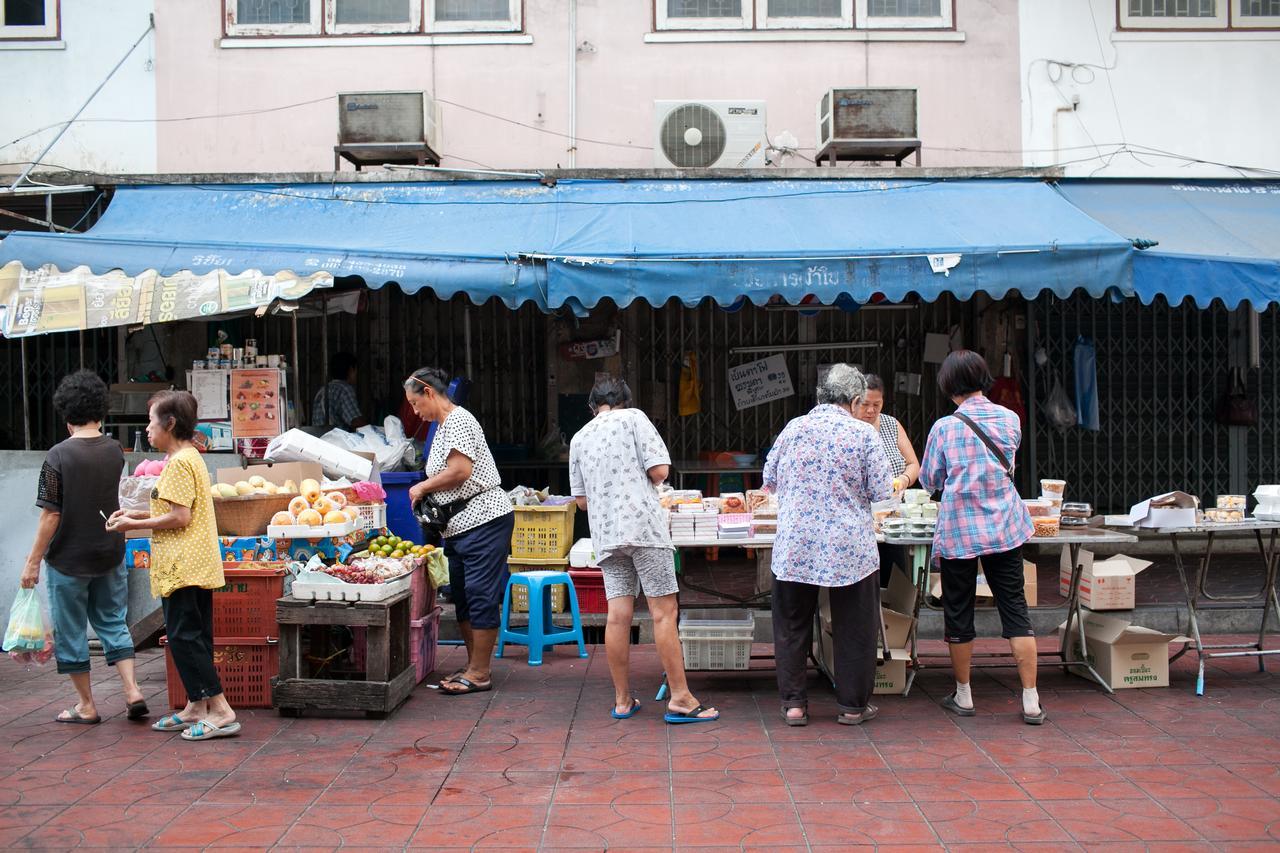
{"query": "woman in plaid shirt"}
{"type": "Point", "coordinates": [981, 516]}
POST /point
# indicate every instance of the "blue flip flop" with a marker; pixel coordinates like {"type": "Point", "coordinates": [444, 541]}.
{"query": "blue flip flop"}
{"type": "Point", "coordinates": [170, 723]}
{"type": "Point", "coordinates": [679, 718]}
{"type": "Point", "coordinates": [635, 709]}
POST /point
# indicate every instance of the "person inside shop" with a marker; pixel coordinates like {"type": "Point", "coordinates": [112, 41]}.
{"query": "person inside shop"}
{"type": "Point", "coordinates": [335, 404]}
{"type": "Point", "coordinates": [88, 582]}
{"type": "Point", "coordinates": [902, 462]}
{"type": "Point", "coordinates": [186, 566]}
{"type": "Point", "coordinates": [968, 458]}
{"type": "Point", "coordinates": [615, 462]}
{"type": "Point", "coordinates": [827, 468]}
{"type": "Point", "coordinates": [463, 479]}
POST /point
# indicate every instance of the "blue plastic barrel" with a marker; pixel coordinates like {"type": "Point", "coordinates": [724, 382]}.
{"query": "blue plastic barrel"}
{"type": "Point", "coordinates": [400, 518]}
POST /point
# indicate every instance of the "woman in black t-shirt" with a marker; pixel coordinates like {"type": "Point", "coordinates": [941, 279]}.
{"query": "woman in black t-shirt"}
{"type": "Point", "coordinates": [88, 582]}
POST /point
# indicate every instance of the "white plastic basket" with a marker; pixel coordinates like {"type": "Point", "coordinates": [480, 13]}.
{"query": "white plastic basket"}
{"type": "Point", "coordinates": [717, 639]}
{"type": "Point", "coordinates": [370, 516]}
{"type": "Point", "coordinates": [336, 590]}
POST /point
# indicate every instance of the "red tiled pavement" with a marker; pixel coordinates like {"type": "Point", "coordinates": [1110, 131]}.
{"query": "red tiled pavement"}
{"type": "Point", "coordinates": [538, 765]}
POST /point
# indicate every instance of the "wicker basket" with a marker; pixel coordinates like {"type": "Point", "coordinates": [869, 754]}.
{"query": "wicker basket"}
{"type": "Point", "coordinates": [248, 515]}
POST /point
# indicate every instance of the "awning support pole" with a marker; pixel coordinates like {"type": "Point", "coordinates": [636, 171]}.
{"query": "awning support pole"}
{"type": "Point", "coordinates": [297, 369]}
{"type": "Point", "coordinates": [26, 399]}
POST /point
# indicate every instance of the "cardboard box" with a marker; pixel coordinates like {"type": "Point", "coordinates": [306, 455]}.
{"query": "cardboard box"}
{"type": "Point", "coordinates": [1173, 509]}
{"type": "Point", "coordinates": [1104, 584]}
{"type": "Point", "coordinates": [246, 549]}
{"type": "Point", "coordinates": [897, 623]}
{"type": "Point", "coordinates": [891, 677]}
{"type": "Point", "coordinates": [1125, 655]}
{"type": "Point", "coordinates": [277, 473]}
{"type": "Point", "coordinates": [985, 598]}
{"type": "Point", "coordinates": [137, 554]}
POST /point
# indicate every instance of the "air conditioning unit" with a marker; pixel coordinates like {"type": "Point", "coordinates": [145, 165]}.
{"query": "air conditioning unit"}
{"type": "Point", "coordinates": [388, 118]}
{"type": "Point", "coordinates": [709, 134]}
{"type": "Point", "coordinates": [868, 123]}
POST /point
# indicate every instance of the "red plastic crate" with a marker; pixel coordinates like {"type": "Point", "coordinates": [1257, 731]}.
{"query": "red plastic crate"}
{"type": "Point", "coordinates": [245, 668]}
{"type": "Point", "coordinates": [589, 584]}
{"type": "Point", "coordinates": [246, 606]}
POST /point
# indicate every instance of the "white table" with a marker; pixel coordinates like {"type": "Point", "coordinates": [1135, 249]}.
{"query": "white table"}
{"type": "Point", "coordinates": [1200, 589]}
{"type": "Point", "coordinates": [763, 546]}
{"type": "Point", "coordinates": [919, 548]}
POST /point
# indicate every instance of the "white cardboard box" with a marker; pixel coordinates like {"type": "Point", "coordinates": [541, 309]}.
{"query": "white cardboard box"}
{"type": "Point", "coordinates": [1124, 654]}
{"type": "Point", "coordinates": [1172, 509]}
{"type": "Point", "coordinates": [1104, 584]}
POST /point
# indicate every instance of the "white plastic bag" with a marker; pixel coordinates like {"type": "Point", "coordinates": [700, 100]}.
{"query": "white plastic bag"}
{"type": "Point", "coordinates": [135, 492]}
{"type": "Point", "coordinates": [1059, 409]}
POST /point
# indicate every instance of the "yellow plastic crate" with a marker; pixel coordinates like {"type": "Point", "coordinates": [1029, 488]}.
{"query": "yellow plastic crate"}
{"type": "Point", "coordinates": [543, 532]}
{"type": "Point", "coordinates": [520, 594]}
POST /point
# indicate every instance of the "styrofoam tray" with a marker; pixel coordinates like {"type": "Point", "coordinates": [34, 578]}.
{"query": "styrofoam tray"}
{"type": "Point", "coordinates": [313, 589]}
{"type": "Point", "coordinates": [302, 531]}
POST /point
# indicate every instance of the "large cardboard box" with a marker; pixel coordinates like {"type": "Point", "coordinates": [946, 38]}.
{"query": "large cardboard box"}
{"type": "Point", "coordinates": [891, 677]}
{"type": "Point", "coordinates": [278, 473]}
{"type": "Point", "coordinates": [1124, 654]}
{"type": "Point", "coordinates": [985, 598]}
{"type": "Point", "coordinates": [897, 625]}
{"type": "Point", "coordinates": [1173, 509]}
{"type": "Point", "coordinates": [1104, 584]}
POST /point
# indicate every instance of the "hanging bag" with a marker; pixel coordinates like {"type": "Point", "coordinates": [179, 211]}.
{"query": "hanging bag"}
{"type": "Point", "coordinates": [1236, 408]}
{"type": "Point", "coordinates": [29, 637]}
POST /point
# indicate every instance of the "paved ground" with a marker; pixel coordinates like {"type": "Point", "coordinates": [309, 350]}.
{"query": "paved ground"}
{"type": "Point", "coordinates": [537, 764]}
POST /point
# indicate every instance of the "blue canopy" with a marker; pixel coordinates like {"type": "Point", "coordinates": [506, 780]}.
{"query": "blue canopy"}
{"type": "Point", "coordinates": [579, 241]}
{"type": "Point", "coordinates": [1215, 239]}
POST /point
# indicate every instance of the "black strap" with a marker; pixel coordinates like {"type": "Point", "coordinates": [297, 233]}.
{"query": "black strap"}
{"type": "Point", "coordinates": [991, 445]}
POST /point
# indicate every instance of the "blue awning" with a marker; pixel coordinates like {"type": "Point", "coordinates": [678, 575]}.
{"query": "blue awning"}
{"type": "Point", "coordinates": [577, 242]}
{"type": "Point", "coordinates": [1215, 239]}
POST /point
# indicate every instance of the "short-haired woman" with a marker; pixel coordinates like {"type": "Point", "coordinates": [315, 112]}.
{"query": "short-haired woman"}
{"type": "Point", "coordinates": [902, 462]}
{"type": "Point", "coordinates": [88, 581]}
{"type": "Point", "coordinates": [827, 468]}
{"type": "Point", "coordinates": [477, 539]}
{"type": "Point", "coordinates": [981, 517]}
{"type": "Point", "coordinates": [186, 566]}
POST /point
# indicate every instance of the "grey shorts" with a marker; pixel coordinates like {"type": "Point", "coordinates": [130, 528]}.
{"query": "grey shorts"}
{"type": "Point", "coordinates": [629, 568]}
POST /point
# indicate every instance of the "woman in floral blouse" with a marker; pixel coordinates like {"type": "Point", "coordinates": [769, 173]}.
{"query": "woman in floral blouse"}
{"type": "Point", "coordinates": [827, 468]}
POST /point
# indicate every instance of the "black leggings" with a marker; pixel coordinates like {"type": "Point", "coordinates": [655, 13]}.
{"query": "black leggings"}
{"type": "Point", "coordinates": [188, 618]}
{"type": "Point", "coordinates": [1003, 572]}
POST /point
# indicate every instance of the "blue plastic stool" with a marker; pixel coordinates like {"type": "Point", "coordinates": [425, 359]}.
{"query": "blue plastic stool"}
{"type": "Point", "coordinates": [542, 632]}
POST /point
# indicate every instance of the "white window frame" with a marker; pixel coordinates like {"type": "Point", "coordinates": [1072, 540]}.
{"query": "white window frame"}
{"type": "Point", "coordinates": [514, 22]}
{"type": "Point", "coordinates": [1240, 21]}
{"type": "Point", "coordinates": [843, 21]}
{"type": "Point", "coordinates": [1142, 22]}
{"type": "Point", "coordinates": [312, 28]}
{"type": "Point", "coordinates": [413, 25]}
{"type": "Point", "coordinates": [50, 29]}
{"type": "Point", "coordinates": [944, 21]}
{"type": "Point", "coordinates": [665, 22]}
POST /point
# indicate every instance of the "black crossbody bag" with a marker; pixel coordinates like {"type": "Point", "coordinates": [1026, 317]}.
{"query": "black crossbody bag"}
{"type": "Point", "coordinates": [434, 516]}
{"type": "Point", "coordinates": [991, 445]}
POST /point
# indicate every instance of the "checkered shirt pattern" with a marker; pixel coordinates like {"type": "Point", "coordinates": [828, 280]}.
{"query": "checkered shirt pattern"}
{"type": "Point", "coordinates": [346, 408]}
{"type": "Point", "coordinates": [981, 510]}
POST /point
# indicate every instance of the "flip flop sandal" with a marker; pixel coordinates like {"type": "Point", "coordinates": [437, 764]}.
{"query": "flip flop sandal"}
{"type": "Point", "coordinates": [170, 723]}
{"type": "Point", "coordinates": [1035, 719]}
{"type": "Point", "coordinates": [467, 685]}
{"type": "Point", "coordinates": [138, 710]}
{"type": "Point", "coordinates": [72, 716]}
{"type": "Point", "coordinates": [868, 714]}
{"type": "Point", "coordinates": [802, 720]}
{"type": "Point", "coordinates": [446, 679]}
{"type": "Point", "coordinates": [676, 718]}
{"type": "Point", "coordinates": [205, 730]}
{"type": "Point", "coordinates": [635, 708]}
{"type": "Point", "coordinates": [950, 704]}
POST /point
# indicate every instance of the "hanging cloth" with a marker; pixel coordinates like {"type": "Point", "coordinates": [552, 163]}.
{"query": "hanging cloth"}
{"type": "Point", "coordinates": [1086, 358]}
{"type": "Point", "coordinates": [690, 387]}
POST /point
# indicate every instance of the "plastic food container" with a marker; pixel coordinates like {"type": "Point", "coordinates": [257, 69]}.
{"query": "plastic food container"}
{"type": "Point", "coordinates": [1046, 525]}
{"type": "Point", "coordinates": [1039, 508]}
{"type": "Point", "coordinates": [1053, 487]}
{"type": "Point", "coordinates": [1074, 521]}
{"type": "Point", "coordinates": [1231, 502]}
{"type": "Point", "coordinates": [1076, 510]}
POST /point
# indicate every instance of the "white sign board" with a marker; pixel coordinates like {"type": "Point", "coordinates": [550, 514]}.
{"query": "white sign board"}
{"type": "Point", "coordinates": [211, 390]}
{"type": "Point", "coordinates": [760, 382]}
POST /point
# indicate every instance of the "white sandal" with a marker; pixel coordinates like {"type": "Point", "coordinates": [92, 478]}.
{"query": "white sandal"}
{"type": "Point", "coordinates": [205, 730]}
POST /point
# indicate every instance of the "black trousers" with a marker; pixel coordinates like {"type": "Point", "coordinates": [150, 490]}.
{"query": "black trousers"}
{"type": "Point", "coordinates": [855, 628]}
{"type": "Point", "coordinates": [1003, 571]}
{"type": "Point", "coordinates": [188, 619]}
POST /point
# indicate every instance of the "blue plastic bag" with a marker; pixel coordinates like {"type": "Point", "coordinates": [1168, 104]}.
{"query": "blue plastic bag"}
{"type": "Point", "coordinates": [1086, 364]}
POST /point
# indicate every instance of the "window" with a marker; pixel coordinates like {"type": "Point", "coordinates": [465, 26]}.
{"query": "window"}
{"type": "Point", "coordinates": [345, 17]}
{"type": "Point", "coordinates": [704, 14]}
{"type": "Point", "coordinates": [806, 14]}
{"type": "Point", "coordinates": [1255, 14]}
{"type": "Point", "coordinates": [904, 14]}
{"type": "Point", "coordinates": [1199, 14]}
{"type": "Point", "coordinates": [29, 19]}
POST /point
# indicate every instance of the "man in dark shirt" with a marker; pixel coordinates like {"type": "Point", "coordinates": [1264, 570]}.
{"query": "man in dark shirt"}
{"type": "Point", "coordinates": [88, 582]}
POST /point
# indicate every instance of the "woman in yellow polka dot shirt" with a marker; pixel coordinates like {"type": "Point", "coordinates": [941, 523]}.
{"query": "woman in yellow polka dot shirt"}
{"type": "Point", "coordinates": [186, 566]}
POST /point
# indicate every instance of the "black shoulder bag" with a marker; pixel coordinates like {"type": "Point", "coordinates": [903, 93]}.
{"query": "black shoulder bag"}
{"type": "Point", "coordinates": [434, 516]}
{"type": "Point", "coordinates": [991, 445]}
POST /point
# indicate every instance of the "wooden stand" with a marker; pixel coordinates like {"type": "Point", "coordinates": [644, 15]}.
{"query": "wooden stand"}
{"type": "Point", "coordinates": [389, 672]}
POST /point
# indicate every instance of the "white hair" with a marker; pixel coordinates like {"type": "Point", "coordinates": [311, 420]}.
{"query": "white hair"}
{"type": "Point", "coordinates": [843, 384]}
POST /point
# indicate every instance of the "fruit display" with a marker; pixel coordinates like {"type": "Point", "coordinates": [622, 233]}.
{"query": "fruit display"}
{"type": "Point", "coordinates": [253, 487]}
{"type": "Point", "coordinates": [395, 548]}
{"type": "Point", "coordinates": [149, 468]}
{"type": "Point", "coordinates": [321, 511]}
{"type": "Point", "coordinates": [372, 569]}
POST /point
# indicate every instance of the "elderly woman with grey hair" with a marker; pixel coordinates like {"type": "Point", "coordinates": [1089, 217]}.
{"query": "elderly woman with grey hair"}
{"type": "Point", "coordinates": [827, 467]}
